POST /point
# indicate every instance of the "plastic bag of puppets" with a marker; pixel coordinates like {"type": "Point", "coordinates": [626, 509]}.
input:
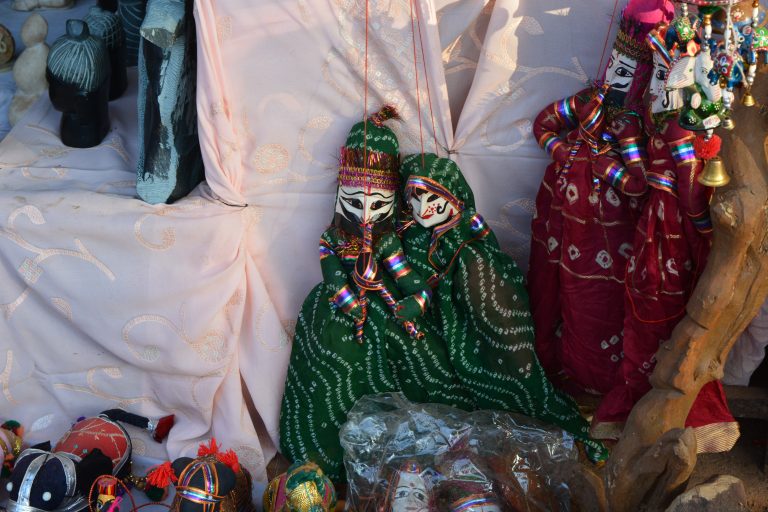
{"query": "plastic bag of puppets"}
{"type": "Point", "coordinates": [401, 456]}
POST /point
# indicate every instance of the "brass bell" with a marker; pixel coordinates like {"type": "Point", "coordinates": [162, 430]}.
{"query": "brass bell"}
{"type": "Point", "coordinates": [728, 123]}
{"type": "Point", "coordinates": [714, 174]}
{"type": "Point", "coordinates": [748, 100]}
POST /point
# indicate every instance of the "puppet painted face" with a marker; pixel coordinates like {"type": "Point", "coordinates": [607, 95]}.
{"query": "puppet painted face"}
{"type": "Point", "coordinates": [430, 209]}
{"type": "Point", "coordinates": [357, 205]}
{"type": "Point", "coordinates": [619, 75]}
{"type": "Point", "coordinates": [662, 98]}
{"type": "Point", "coordinates": [410, 495]}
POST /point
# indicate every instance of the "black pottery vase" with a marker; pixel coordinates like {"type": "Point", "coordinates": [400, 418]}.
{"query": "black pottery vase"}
{"type": "Point", "coordinates": [107, 26]}
{"type": "Point", "coordinates": [78, 85]}
{"type": "Point", "coordinates": [131, 13]}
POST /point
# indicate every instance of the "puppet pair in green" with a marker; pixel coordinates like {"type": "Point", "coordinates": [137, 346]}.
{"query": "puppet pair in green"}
{"type": "Point", "coordinates": [433, 309]}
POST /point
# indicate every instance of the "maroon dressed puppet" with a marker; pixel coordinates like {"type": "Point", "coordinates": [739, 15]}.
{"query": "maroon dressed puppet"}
{"type": "Point", "coordinates": [669, 252]}
{"type": "Point", "coordinates": [586, 211]}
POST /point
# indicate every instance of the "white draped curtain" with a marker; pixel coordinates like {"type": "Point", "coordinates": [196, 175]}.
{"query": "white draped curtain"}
{"type": "Point", "coordinates": [190, 308]}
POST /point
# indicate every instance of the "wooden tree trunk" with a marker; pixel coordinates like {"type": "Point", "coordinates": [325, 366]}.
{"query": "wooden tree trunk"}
{"type": "Point", "coordinates": [728, 295]}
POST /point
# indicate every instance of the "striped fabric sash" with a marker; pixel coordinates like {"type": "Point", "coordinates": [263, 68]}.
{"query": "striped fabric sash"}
{"type": "Point", "coordinates": [566, 111]}
{"type": "Point", "coordinates": [662, 182]}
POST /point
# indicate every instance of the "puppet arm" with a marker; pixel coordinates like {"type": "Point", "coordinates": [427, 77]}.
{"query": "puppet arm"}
{"type": "Point", "coordinates": [625, 170]}
{"type": "Point", "coordinates": [335, 278]}
{"type": "Point", "coordinates": [418, 294]}
{"type": "Point", "coordinates": [692, 195]}
{"type": "Point", "coordinates": [556, 118]}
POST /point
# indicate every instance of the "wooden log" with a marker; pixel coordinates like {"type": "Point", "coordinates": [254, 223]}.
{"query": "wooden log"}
{"type": "Point", "coordinates": [728, 295]}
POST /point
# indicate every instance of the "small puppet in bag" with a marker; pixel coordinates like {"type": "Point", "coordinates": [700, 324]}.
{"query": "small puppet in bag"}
{"type": "Point", "coordinates": [303, 488]}
{"type": "Point", "coordinates": [479, 299]}
{"type": "Point", "coordinates": [359, 332]}
{"type": "Point", "coordinates": [586, 210]}
{"type": "Point", "coordinates": [468, 484]}
{"type": "Point", "coordinates": [465, 496]}
{"type": "Point", "coordinates": [60, 479]}
{"type": "Point", "coordinates": [213, 482]}
{"type": "Point", "coordinates": [407, 490]}
{"type": "Point", "coordinates": [521, 486]}
{"type": "Point", "coordinates": [670, 249]}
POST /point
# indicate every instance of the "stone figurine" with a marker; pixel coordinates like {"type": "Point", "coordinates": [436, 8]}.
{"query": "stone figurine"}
{"type": "Point", "coordinates": [29, 68]}
{"type": "Point", "coordinates": [107, 25]}
{"type": "Point", "coordinates": [78, 74]}
{"type": "Point", "coordinates": [29, 5]}
{"type": "Point", "coordinates": [170, 163]}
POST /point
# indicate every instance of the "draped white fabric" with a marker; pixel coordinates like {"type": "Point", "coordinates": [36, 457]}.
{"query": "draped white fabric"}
{"type": "Point", "coordinates": [107, 301]}
{"type": "Point", "coordinates": [749, 350]}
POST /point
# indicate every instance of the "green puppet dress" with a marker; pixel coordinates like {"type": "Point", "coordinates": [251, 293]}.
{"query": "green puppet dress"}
{"type": "Point", "coordinates": [359, 331]}
{"type": "Point", "coordinates": [479, 300]}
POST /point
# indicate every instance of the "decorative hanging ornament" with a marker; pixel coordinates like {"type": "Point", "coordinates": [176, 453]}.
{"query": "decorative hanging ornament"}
{"type": "Point", "coordinates": [755, 42]}
{"type": "Point", "coordinates": [707, 147]}
{"type": "Point", "coordinates": [736, 52]}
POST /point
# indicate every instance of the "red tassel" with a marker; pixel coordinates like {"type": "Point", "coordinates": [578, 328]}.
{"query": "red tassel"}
{"type": "Point", "coordinates": [161, 476]}
{"type": "Point", "coordinates": [707, 149]}
{"type": "Point", "coordinates": [386, 112]}
{"type": "Point", "coordinates": [230, 459]}
{"type": "Point", "coordinates": [211, 449]}
{"type": "Point", "coordinates": [164, 425]}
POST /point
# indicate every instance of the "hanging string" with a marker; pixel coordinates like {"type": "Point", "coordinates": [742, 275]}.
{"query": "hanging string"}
{"type": "Point", "coordinates": [365, 95]}
{"type": "Point", "coordinates": [600, 69]}
{"type": "Point", "coordinates": [418, 92]}
{"type": "Point", "coordinates": [366, 229]}
{"type": "Point", "coordinates": [365, 114]}
{"type": "Point", "coordinates": [426, 80]}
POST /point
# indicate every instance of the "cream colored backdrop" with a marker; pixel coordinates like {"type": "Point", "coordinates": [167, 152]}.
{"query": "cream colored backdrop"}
{"type": "Point", "coordinates": [107, 301]}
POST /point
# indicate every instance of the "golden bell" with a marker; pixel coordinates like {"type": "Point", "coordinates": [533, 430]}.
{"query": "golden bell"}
{"type": "Point", "coordinates": [714, 174]}
{"type": "Point", "coordinates": [748, 100]}
{"type": "Point", "coordinates": [728, 124]}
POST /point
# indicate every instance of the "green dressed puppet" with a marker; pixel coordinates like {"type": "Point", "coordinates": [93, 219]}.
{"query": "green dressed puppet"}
{"type": "Point", "coordinates": [360, 331]}
{"type": "Point", "coordinates": [480, 300]}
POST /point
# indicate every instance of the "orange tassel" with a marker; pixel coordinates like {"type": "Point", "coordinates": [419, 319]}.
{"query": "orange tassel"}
{"type": "Point", "coordinates": [161, 476]}
{"type": "Point", "coordinates": [230, 459]}
{"type": "Point", "coordinates": [211, 449]}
